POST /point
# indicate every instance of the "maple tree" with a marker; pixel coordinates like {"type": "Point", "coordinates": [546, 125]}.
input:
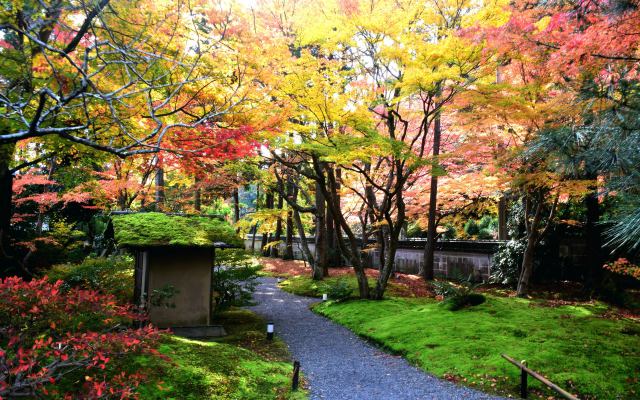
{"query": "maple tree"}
{"type": "Point", "coordinates": [368, 108]}
{"type": "Point", "coordinates": [557, 74]}
{"type": "Point", "coordinates": [216, 159]}
{"type": "Point", "coordinates": [93, 74]}
{"type": "Point", "coordinates": [67, 76]}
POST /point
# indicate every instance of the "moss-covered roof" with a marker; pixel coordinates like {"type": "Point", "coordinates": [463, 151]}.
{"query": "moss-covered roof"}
{"type": "Point", "coordinates": [158, 229]}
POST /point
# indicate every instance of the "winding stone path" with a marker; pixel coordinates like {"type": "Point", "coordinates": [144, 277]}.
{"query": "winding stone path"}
{"type": "Point", "coordinates": [339, 365]}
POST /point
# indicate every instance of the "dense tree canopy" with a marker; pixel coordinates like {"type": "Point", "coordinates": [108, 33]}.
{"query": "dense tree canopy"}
{"type": "Point", "coordinates": [351, 119]}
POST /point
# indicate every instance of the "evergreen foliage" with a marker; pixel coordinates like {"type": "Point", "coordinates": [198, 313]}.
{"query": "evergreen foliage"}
{"type": "Point", "coordinates": [234, 279]}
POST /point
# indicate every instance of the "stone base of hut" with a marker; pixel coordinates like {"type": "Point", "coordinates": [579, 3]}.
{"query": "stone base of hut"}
{"type": "Point", "coordinates": [199, 331]}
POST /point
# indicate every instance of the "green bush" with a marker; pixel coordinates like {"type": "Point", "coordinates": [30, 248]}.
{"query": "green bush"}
{"type": "Point", "coordinates": [485, 234]}
{"type": "Point", "coordinates": [460, 294]}
{"type": "Point", "coordinates": [234, 278]}
{"type": "Point", "coordinates": [489, 223]}
{"type": "Point", "coordinates": [471, 228]}
{"type": "Point", "coordinates": [505, 266]}
{"type": "Point", "coordinates": [339, 291]}
{"type": "Point", "coordinates": [414, 230]}
{"type": "Point", "coordinates": [113, 275]}
{"type": "Point", "coordinates": [444, 288]}
{"type": "Point", "coordinates": [458, 302]}
{"type": "Point", "coordinates": [485, 228]}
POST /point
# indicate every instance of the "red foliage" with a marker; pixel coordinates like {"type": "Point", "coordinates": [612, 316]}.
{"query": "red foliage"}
{"type": "Point", "coordinates": [32, 187]}
{"type": "Point", "coordinates": [49, 335]}
{"type": "Point", "coordinates": [21, 182]}
{"type": "Point", "coordinates": [208, 146]}
{"type": "Point", "coordinates": [566, 40]}
{"type": "Point", "coordinates": [623, 266]}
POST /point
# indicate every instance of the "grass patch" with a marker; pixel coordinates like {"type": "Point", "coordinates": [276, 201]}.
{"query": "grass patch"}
{"type": "Point", "coordinates": [247, 330]}
{"type": "Point", "coordinates": [242, 365]}
{"type": "Point", "coordinates": [574, 346]}
{"type": "Point", "coordinates": [305, 286]}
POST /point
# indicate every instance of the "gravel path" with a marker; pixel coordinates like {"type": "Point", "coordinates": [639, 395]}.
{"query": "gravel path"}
{"type": "Point", "coordinates": [340, 366]}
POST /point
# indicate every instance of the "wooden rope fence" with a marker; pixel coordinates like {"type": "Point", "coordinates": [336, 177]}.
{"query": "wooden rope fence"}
{"type": "Point", "coordinates": [524, 371]}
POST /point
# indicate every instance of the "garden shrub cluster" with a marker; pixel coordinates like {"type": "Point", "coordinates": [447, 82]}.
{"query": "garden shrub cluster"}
{"type": "Point", "coordinates": [74, 343]}
{"type": "Point", "coordinates": [624, 267]}
{"type": "Point", "coordinates": [339, 290]}
{"type": "Point", "coordinates": [506, 263]}
{"type": "Point", "coordinates": [485, 228]}
{"type": "Point", "coordinates": [458, 295]}
{"type": "Point", "coordinates": [113, 275]}
{"type": "Point", "coordinates": [234, 278]}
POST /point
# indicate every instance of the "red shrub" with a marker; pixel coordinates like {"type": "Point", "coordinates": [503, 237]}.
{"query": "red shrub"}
{"type": "Point", "coordinates": [67, 344]}
{"type": "Point", "coordinates": [623, 266]}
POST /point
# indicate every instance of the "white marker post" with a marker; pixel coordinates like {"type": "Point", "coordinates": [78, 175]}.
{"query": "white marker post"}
{"type": "Point", "coordinates": [269, 330]}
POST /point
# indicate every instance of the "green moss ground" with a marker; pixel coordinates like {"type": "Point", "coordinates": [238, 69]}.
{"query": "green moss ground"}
{"type": "Point", "coordinates": [241, 366]}
{"type": "Point", "coordinates": [574, 346]}
{"type": "Point", "coordinates": [305, 286]}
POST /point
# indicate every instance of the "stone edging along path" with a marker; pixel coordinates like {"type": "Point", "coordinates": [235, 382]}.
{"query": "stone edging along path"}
{"type": "Point", "coordinates": [339, 365]}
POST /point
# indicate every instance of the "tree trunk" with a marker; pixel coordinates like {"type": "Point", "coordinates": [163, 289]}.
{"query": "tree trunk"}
{"type": "Point", "coordinates": [6, 206]}
{"type": "Point", "coordinates": [288, 250]}
{"type": "Point", "coordinates": [320, 265]}
{"type": "Point", "coordinates": [333, 230]}
{"type": "Point", "coordinates": [197, 196]}
{"type": "Point", "coordinates": [391, 246]}
{"type": "Point", "coordinates": [593, 239]}
{"type": "Point", "coordinates": [266, 238]}
{"type": "Point", "coordinates": [332, 241]}
{"type": "Point", "coordinates": [381, 246]}
{"type": "Point", "coordinates": [527, 265]}
{"type": "Point", "coordinates": [429, 249]}
{"type": "Point", "coordinates": [502, 202]}
{"type": "Point", "coordinates": [236, 206]}
{"type": "Point", "coordinates": [535, 232]}
{"type": "Point", "coordinates": [326, 182]}
{"type": "Point", "coordinates": [160, 196]}
{"type": "Point", "coordinates": [353, 250]}
{"type": "Point", "coordinates": [274, 250]}
{"type": "Point", "coordinates": [502, 218]}
{"type": "Point", "coordinates": [374, 215]}
{"type": "Point", "coordinates": [306, 252]}
{"type": "Point", "coordinates": [264, 242]}
{"type": "Point", "coordinates": [253, 231]}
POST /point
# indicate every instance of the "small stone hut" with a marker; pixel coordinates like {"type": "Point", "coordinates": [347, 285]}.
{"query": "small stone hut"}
{"type": "Point", "coordinates": [174, 256]}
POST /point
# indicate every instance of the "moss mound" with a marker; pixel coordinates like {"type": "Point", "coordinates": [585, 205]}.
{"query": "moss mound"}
{"type": "Point", "coordinates": [576, 346]}
{"type": "Point", "coordinates": [158, 229]}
